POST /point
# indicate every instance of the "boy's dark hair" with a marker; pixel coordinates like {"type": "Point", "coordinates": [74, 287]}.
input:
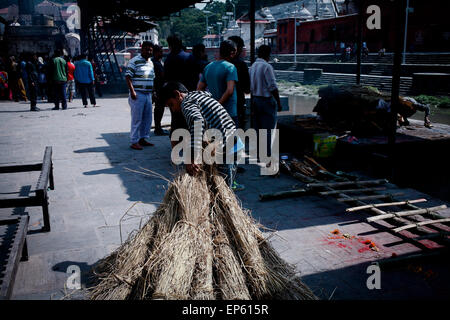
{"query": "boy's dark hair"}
{"type": "Point", "coordinates": [264, 51]}
{"type": "Point", "coordinates": [168, 90]}
{"type": "Point", "coordinates": [147, 44]}
{"type": "Point", "coordinates": [226, 47]}
{"type": "Point", "coordinates": [238, 40]}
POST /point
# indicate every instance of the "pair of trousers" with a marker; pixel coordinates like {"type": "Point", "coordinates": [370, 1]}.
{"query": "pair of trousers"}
{"type": "Point", "coordinates": [60, 94]}
{"type": "Point", "coordinates": [32, 95]}
{"type": "Point", "coordinates": [265, 117]}
{"type": "Point", "coordinates": [89, 88]}
{"type": "Point", "coordinates": [141, 116]}
{"type": "Point", "coordinates": [228, 172]}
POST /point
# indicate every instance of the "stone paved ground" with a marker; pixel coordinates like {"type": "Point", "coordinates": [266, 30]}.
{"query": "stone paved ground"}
{"type": "Point", "coordinates": [94, 188]}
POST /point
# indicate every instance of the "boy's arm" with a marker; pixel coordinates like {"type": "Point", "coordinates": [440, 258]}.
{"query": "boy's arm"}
{"type": "Point", "coordinates": [228, 92]}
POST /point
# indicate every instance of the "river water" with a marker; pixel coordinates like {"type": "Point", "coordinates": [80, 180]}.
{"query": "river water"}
{"type": "Point", "coordinates": [302, 104]}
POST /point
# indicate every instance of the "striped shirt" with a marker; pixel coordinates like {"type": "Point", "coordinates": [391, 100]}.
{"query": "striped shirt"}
{"type": "Point", "coordinates": [142, 73]}
{"type": "Point", "coordinates": [201, 111]}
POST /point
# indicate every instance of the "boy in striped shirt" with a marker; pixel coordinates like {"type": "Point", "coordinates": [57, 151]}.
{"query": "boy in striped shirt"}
{"type": "Point", "coordinates": [202, 112]}
{"type": "Point", "coordinates": [139, 76]}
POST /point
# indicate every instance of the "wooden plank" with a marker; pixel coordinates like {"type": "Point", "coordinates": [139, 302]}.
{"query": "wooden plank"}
{"type": "Point", "coordinates": [347, 183]}
{"type": "Point", "coordinates": [326, 193]}
{"type": "Point", "coordinates": [423, 223]}
{"type": "Point", "coordinates": [433, 235]}
{"type": "Point", "coordinates": [15, 255]}
{"type": "Point", "coordinates": [20, 202]}
{"type": "Point", "coordinates": [21, 168]}
{"type": "Point", "coordinates": [406, 213]}
{"type": "Point", "coordinates": [282, 194]}
{"type": "Point", "coordinates": [378, 196]}
{"type": "Point", "coordinates": [387, 204]}
{"type": "Point", "coordinates": [411, 257]}
{"type": "Point", "coordinates": [45, 172]}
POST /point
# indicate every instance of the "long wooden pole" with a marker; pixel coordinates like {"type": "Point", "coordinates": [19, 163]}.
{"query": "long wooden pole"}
{"type": "Point", "coordinates": [378, 196]}
{"type": "Point", "coordinates": [418, 224]}
{"type": "Point", "coordinates": [406, 213]}
{"type": "Point", "coordinates": [387, 204]}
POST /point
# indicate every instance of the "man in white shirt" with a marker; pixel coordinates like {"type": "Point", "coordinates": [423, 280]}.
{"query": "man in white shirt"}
{"type": "Point", "coordinates": [140, 75]}
{"type": "Point", "coordinates": [265, 97]}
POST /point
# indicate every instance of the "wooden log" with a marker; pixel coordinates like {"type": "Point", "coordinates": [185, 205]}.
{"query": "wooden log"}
{"type": "Point", "coordinates": [433, 235]}
{"type": "Point", "coordinates": [387, 204]}
{"type": "Point", "coordinates": [418, 224]}
{"type": "Point", "coordinates": [282, 194]}
{"type": "Point", "coordinates": [411, 257]}
{"type": "Point", "coordinates": [378, 196]}
{"type": "Point", "coordinates": [326, 193]}
{"type": "Point", "coordinates": [315, 163]}
{"type": "Point", "coordinates": [347, 183]}
{"type": "Point", "coordinates": [406, 213]}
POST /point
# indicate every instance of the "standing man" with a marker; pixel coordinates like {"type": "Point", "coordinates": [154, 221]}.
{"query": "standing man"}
{"type": "Point", "coordinates": [84, 75]}
{"type": "Point", "coordinates": [70, 77]}
{"type": "Point", "coordinates": [265, 96]}
{"type": "Point", "coordinates": [220, 77]}
{"type": "Point", "coordinates": [60, 72]}
{"type": "Point", "coordinates": [159, 81]}
{"type": "Point", "coordinates": [140, 75]}
{"type": "Point", "coordinates": [180, 65]}
{"type": "Point", "coordinates": [31, 69]}
{"type": "Point", "coordinates": [243, 84]}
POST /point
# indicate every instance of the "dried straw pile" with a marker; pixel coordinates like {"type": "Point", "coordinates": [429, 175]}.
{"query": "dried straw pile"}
{"type": "Point", "coordinates": [200, 244]}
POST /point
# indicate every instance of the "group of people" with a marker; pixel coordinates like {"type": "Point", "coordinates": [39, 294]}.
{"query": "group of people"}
{"type": "Point", "coordinates": [212, 94]}
{"type": "Point", "coordinates": [348, 51]}
{"type": "Point", "coordinates": [56, 78]}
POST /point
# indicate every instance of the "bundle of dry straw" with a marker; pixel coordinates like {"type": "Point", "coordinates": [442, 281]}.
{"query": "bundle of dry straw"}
{"type": "Point", "coordinates": [200, 244]}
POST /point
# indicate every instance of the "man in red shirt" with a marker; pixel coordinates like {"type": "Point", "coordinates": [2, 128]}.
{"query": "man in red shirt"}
{"type": "Point", "coordinates": [70, 78]}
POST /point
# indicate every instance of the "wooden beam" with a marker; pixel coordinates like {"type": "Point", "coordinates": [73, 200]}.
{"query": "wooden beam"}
{"type": "Point", "coordinates": [21, 168]}
{"type": "Point", "coordinates": [387, 204]}
{"type": "Point", "coordinates": [419, 224]}
{"type": "Point", "coordinates": [347, 183]}
{"type": "Point", "coordinates": [283, 194]}
{"type": "Point", "coordinates": [406, 213]}
{"type": "Point", "coordinates": [326, 193]}
{"type": "Point", "coordinates": [380, 196]}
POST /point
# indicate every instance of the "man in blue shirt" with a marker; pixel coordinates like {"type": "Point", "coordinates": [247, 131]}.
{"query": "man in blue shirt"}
{"type": "Point", "coordinates": [180, 65]}
{"type": "Point", "coordinates": [220, 77]}
{"type": "Point", "coordinates": [84, 75]}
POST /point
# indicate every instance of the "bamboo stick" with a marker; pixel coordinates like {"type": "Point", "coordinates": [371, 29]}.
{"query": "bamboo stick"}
{"type": "Point", "coordinates": [387, 204]}
{"type": "Point", "coordinates": [406, 213]}
{"type": "Point", "coordinates": [311, 160]}
{"type": "Point", "coordinates": [282, 194]}
{"type": "Point", "coordinates": [418, 224]}
{"type": "Point", "coordinates": [433, 235]}
{"type": "Point", "coordinates": [416, 256]}
{"type": "Point", "coordinates": [378, 196]}
{"type": "Point", "coordinates": [325, 193]}
{"type": "Point", "coordinates": [347, 183]}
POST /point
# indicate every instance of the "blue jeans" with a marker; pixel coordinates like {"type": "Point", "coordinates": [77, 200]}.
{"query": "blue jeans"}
{"type": "Point", "coordinates": [60, 94]}
{"type": "Point", "coordinates": [228, 172]}
{"type": "Point", "coordinates": [141, 116]}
